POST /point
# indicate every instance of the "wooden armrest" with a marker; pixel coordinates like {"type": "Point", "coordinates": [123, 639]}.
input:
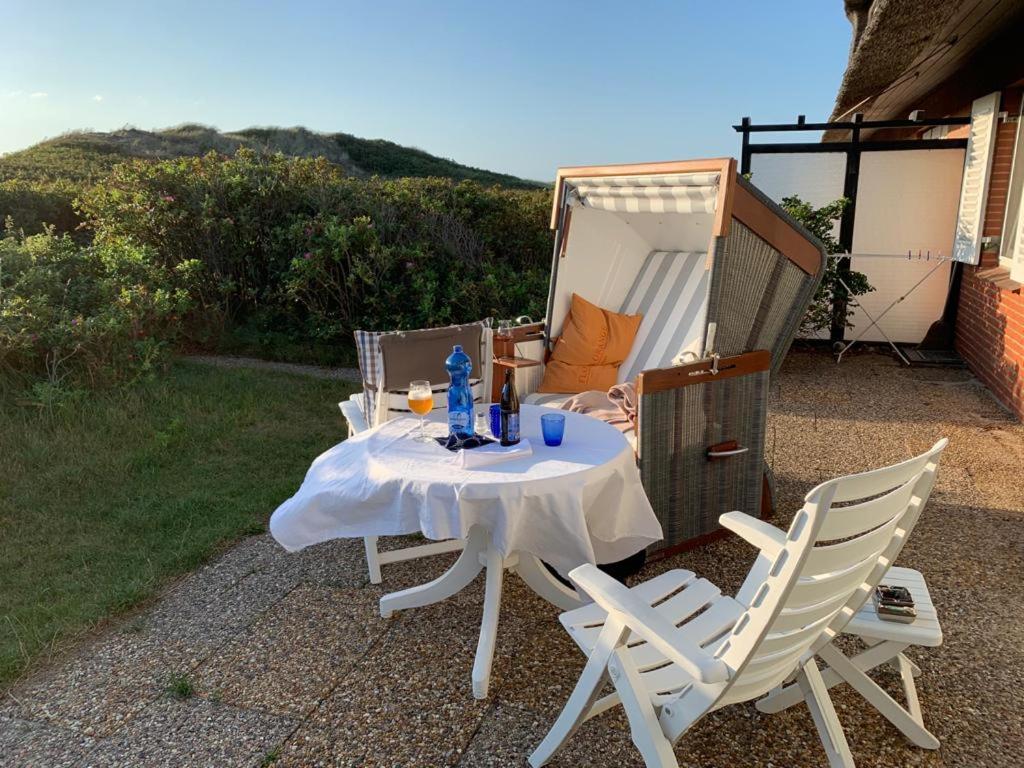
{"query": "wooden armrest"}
{"type": "Point", "coordinates": [673, 377]}
{"type": "Point", "coordinates": [760, 534]}
{"type": "Point", "coordinates": [616, 598]}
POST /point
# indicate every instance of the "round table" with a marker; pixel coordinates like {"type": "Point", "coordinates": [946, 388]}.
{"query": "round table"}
{"type": "Point", "coordinates": [575, 503]}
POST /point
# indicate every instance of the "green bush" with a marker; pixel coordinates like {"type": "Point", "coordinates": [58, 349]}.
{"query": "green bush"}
{"type": "Point", "coordinates": [280, 256]}
{"type": "Point", "coordinates": [295, 246]}
{"type": "Point", "coordinates": [830, 305]}
{"type": "Point", "coordinates": [74, 316]}
{"type": "Point", "coordinates": [32, 206]}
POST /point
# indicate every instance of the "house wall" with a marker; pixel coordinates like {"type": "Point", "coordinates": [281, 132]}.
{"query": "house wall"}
{"type": "Point", "coordinates": [990, 318]}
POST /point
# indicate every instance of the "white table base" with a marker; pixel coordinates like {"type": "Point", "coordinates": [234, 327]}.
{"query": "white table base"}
{"type": "Point", "coordinates": [478, 554]}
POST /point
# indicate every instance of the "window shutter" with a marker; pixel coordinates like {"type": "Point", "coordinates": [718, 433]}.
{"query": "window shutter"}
{"type": "Point", "coordinates": [974, 187]}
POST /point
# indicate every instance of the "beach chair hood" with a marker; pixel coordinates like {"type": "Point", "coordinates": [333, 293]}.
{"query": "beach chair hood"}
{"type": "Point", "coordinates": [711, 263]}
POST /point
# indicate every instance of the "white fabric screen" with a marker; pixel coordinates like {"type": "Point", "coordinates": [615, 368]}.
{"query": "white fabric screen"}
{"type": "Point", "coordinates": [816, 177]}
{"type": "Point", "coordinates": [977, 171]}
{"type": "Point", "coordinates": [906, 205]}
{"type": "Point", "coordinates": [675, 193]}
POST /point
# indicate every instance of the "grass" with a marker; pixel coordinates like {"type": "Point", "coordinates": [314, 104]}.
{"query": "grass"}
{"type": "Point", "coordinates": [180, 687]}
{"type": "Point", "coordinates": [106, 499]}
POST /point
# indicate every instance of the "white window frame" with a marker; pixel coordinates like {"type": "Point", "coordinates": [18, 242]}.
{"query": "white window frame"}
{"type": "Point", "coordinates": [1014, 199]}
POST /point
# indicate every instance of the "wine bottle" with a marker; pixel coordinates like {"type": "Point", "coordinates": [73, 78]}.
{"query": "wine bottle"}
{"type": "Point", "coordinates": [509, 409]}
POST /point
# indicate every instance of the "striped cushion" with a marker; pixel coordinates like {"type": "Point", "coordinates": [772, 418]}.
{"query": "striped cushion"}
{"type": "Point", "coordinates": [671, 293]}
{"type": "Point", "coordinates": [371, 367]}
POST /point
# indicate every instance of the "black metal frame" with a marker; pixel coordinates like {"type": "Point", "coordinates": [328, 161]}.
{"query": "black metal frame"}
{"type": "Point", "coordinates": [853, 150]}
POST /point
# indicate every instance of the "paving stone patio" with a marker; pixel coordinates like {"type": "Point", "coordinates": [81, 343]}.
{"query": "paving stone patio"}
{"type": "Point", "coordinates": [292, 666]}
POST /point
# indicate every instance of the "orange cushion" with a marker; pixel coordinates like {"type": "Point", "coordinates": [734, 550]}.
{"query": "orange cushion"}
{"type": "Point", "coordinates": [593, 344]}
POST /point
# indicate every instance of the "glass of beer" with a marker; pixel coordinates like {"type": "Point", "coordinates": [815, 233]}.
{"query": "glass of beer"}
{"type": "Point", "coordinates": [421, 402]}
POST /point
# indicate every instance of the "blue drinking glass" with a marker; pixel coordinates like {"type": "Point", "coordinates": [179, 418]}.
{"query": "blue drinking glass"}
{"type": "Point", "coordinates": [553, 427]}
{"type": "Point", "coordinates": [496, 421]}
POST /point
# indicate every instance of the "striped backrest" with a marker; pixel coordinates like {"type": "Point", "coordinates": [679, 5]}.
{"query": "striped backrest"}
{"type": "Point", "coordinates": [832, 556]}
{"type": "Point", "coordinates": [671, 292]}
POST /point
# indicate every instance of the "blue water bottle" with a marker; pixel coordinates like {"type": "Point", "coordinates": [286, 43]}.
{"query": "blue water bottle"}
{"type": "Point", "coordinates": [460, 396]}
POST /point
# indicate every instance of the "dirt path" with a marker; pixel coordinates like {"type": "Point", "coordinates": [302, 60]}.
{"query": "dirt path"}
{"type": "Point", "coordinates": [319, 372]}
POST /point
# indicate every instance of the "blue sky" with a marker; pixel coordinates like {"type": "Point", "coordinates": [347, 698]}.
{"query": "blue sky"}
{"type": "Point", "coordinates": [517, 87]}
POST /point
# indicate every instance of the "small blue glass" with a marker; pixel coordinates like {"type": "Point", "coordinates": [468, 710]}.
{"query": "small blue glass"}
{"type": "Point", "coordinates": [496, 421]}
{"type": "Point", "coordinates": [553, 427]}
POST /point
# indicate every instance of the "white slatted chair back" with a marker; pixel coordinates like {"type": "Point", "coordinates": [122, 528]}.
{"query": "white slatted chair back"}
{"type": "Point", "coordinates": [832, 559]}
{"type": "Point", "coordinates": [857, 492]}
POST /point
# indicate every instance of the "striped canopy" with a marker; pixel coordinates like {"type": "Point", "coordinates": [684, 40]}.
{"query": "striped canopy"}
{"type": "Point", "coordinates": [675, 193]}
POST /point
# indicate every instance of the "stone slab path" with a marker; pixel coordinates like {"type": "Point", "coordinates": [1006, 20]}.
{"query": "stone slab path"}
{"type": "Point", "coordinates": [290, 664]}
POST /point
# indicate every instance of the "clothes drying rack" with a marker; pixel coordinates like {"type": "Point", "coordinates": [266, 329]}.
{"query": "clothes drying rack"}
{"type": "Point", "coordinates": [876, 321]}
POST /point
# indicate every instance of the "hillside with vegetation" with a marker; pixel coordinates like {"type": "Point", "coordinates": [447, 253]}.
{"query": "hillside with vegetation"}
{"type": "Point", "coordinates": [119, 252]}
{"type": "Point", "coordinates": [85, 157]}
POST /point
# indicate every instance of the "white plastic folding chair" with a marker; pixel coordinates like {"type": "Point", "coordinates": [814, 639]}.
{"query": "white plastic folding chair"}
{"type": "Point", "coordinates": [675, 648]}
{"type": "Point", "coordinates": [398, 358]}
{"type": "Point", "coordinates": [885, 640]}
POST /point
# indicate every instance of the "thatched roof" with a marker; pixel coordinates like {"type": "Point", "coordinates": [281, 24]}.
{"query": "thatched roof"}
{"type": "Point", "coordinates": [903, 50]}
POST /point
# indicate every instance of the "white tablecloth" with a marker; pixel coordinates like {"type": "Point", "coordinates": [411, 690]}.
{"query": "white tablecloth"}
{"type": "Point", "coordinates": [575, 503]}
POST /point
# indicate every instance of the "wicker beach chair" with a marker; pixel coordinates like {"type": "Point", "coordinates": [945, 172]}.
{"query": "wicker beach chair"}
{"type": "Point", "coordinates": [722, 277]}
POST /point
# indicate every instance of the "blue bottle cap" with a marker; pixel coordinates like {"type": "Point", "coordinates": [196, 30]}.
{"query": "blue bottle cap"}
{"type": "Point", "coordinates": [458, 348]}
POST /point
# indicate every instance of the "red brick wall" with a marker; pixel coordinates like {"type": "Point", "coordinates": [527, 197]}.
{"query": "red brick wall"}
{"type": "Point", "coordinates": [990, 319]}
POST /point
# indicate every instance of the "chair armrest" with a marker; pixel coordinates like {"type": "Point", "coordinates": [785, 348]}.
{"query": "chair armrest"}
{"type": "Point", "coordinates": [354, 416]}
{"type": "Point", "coordinates": [760, 534]}
{"type": "Point", "coordinates": [649, 624]}
{"type": "Point", "coordinates": [675, 376]}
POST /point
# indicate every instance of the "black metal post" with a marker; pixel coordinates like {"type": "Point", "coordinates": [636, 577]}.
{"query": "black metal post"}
{"type": "Point", "coordinates": [837, 331]}
{"type": "Point", "coordinates": [745, 151]}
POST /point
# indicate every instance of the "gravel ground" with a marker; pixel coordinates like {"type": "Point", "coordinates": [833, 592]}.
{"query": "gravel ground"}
{"type": "Point", "coordinates": [290, 664]}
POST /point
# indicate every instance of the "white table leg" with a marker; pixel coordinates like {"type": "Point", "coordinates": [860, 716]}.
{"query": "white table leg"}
{"type": "Point", "coordinates": [489, 624]}
{"type": "Point", "coordinates": [539, 579]}
{"type": "Point", "coordinates": [455, 579]}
